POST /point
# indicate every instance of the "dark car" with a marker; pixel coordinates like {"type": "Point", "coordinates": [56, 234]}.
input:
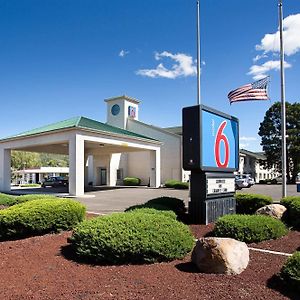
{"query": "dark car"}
{"type": "Point", "coordinates": [55, 181]}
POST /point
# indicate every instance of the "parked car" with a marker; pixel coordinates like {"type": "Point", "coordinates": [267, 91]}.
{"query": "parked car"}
{"type": "Point", "coordinates": [240, 182]}
{"type": "Point", "coordinates": [277, 180]}
{"type": "Point", "coordinates": [55, 181]}
{"type": "Point", "coordinates": [249, 179]}
{"type": "Point", "coordinates": [243, 181]}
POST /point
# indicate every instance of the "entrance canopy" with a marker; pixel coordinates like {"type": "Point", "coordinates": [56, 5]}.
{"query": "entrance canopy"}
{"type": "Point", "coordinates": [79, 138]}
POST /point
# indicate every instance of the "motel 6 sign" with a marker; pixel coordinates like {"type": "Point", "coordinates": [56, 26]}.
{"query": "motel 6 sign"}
{"type": "Point", "coordinates": [210, 140]}
{"type": "Point", "coordinates": [219, 141]}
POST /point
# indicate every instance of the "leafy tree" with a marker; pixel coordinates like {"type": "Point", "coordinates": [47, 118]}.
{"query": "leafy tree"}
{"type": "Point", "coordinates": [270, 132]}
{"type": "Point", "coordinates": [54, 160]}
{"type": "Point", "coordinates": [23, 160]}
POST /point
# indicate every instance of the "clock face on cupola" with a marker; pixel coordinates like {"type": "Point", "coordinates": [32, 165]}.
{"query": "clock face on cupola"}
{"type": "Point", "coordinates": [115, 110]}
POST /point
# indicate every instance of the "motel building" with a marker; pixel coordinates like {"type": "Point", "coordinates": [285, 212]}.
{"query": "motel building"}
{"type": "Point", "coordinates": [103, 153]}
{"type": "Point", "coordinates": [37, 175]}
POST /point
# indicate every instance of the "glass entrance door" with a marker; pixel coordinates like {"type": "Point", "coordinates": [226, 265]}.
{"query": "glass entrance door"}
{"type": "Point", "coordinates": [103, 176]}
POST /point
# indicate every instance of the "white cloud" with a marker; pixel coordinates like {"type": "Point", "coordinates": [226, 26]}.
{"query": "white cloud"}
{"type": "Point", "coordinates": [244, 141]}
{"type": "Point", "coordinates": [183, 66]}
{"type": "Point", "coordinates": [122, 53]}
{"type": "Point", "coordinates": [291, 37]}
{"type": "Point", "coordinates": [248, 138]}
{"type": "Point", "coordinates": [244, 146]}
{"type": "Point", "coordinates": [260, 72]}
{"type": "Point", "coordinates": [258, 57]}
{"type": "Point", "coordinates": [270, 44]}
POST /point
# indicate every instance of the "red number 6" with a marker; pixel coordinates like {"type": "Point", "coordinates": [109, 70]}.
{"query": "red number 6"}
{"type": "Point", "coordinates": [221, 137]}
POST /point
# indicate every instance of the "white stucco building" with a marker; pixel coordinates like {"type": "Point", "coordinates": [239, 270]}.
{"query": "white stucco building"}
{"type": "Point", "coordinates": [250, 163]}
{"type": "Point", "coordinates": [105, 153]}
{"type": "Point", "coordinates": [102, 153]}
{"type": "Point", "coordinates": [37, 175]}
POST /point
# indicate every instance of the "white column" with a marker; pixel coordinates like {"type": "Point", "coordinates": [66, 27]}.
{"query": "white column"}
{"type": "Point", "coordinates": [5, 172]}
{"type": "Point", "coordinates": [114, 165]}
{"type": "Point", "coordinates": [155, 168]}
{"type": "Point", "coordinates": [76, 165]}
{"type": "Point", "coordinates": [91, 169]}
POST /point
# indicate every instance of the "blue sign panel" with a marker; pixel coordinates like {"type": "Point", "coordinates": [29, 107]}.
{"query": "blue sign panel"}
{"type": "Point", "coordinates": [219, 141]}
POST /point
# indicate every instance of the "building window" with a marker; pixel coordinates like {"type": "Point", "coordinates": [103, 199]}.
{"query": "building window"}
{"type": "Point", "coordinates": [119, 174]}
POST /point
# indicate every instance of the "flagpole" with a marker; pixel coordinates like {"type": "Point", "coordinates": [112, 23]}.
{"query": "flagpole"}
{"type": "Point", "coordinates": [283, 112]}
{"type": "Point", "coordinates": [198, 54]}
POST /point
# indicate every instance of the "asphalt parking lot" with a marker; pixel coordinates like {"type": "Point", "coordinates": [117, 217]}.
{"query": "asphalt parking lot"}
{"type": "Point", "coordinates": [273, 190]}
{"type": "Point", "coordinates": [108, 200]}
{"type": "Point", "coordinates": [117, 200]}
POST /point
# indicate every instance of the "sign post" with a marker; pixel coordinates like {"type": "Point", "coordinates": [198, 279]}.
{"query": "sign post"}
{"type": "Point", "coordinates": [211, 153]}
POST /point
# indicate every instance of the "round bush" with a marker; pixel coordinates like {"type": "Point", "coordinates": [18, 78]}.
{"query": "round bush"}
{"type": "Point", "coordinates": [131, 181]}
{"type": "Point", "coordinates": [248, 228]}
{"type": "Point", "coordinates": [176, 184]}
{"type": "Point", "coordinates": [31, 197]}
{"type": "Point", "coordinates": [132, 237]}
{"type": "Point", "coordinates": [290, 272]}
{"type": "Point", "coordinates": [7, 200]}
{"type": "Point", "coordinates": [292, 217]}
{"type": "Point", "coordinates": [39, 216]}
{"type": "Point", "coordinates": [170, 183]}
{"type": "Point", "coordinates": [163, 203]}
{"type": "Point", "coordinates": [171, 203]}
{"type": "Point", "coordinates": [149, 210]}
{"type": "Point", "coordinates": [250, 203]}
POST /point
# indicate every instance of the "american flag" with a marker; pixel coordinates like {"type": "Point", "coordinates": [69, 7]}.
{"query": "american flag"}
{"type": "Point", "coordinates": [252, 91]}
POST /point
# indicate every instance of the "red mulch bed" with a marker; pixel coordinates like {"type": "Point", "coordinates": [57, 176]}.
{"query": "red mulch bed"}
{"type": "Point", "coordinates": [34, 268]}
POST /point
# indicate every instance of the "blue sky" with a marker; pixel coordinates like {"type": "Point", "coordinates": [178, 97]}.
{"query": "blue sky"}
{"type": "Point", "coordinates": [61, 58]}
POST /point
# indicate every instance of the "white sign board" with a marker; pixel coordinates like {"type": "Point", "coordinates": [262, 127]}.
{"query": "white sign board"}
{"type": "Point", "coordinates": [219, 186]}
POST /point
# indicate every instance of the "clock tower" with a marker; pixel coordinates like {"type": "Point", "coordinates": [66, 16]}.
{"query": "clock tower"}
{"type": "Point", "coordinates": [120, 108]}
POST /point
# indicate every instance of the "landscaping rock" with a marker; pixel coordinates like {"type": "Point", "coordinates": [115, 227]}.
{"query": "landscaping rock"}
{"type": "Point", "coordinates": [220, 256]}
{"type": "Point", "coordinates": [273, 210]}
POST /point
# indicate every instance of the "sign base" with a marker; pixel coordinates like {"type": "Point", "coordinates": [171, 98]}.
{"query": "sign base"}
{"type": "Point", "coordinates": [212, 196]}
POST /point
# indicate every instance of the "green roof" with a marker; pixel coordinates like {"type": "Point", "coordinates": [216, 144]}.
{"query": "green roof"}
{"type": "Point", "coordinates": [80, 122]}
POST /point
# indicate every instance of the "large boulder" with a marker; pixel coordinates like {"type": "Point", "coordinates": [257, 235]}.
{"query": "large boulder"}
{"type": "Point", "coordinates": [220, 256]}
{"type": "Point", "coordinates": [273, 210]}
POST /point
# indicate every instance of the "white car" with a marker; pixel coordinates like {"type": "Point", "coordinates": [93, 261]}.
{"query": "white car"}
{"type": "Point", "coordinates": [249, 179]}
{"type": "Point", "coordinates": [240, 182]}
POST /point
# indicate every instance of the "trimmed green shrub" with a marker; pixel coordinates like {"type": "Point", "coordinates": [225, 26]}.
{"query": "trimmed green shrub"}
{"type": "Point", "coordinates": [176, 184]}
{"type": "Point", "coordinates": [131, 181]}
{"type": "Point", "coordinates": [171, 203]}
{"type": "Point", "coordinates": [24, 198]}
{"type": "Point", "coordinates": [286, 201]}
{"type": "Point", "coordinates": [249, 229]}
{"type": "Point", "coordinates": [181, 186]}
{"type": "Point", "coordinates": [170, 183]}
{"type": "Point", "coordinates": [7, 200]}
{"type": "Point", "coordinates": [149, 210]}
{"type": "Point", "coordinates": [292, 217]}
{"type": "Point", "coordinates": [132, 237]}
{"type": "Point", "coordinates": [30, 185]}
{"type": "Point", "coordinates": [39, 216]}
{"type": "Point", "coordinates": [250, 203]}
{"type": "Point", "coordinates": [147, 205]}
{"type": "Point", "coordinates": [290, 272]}
{"type": "Point", "coordinates": [163, 203]}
